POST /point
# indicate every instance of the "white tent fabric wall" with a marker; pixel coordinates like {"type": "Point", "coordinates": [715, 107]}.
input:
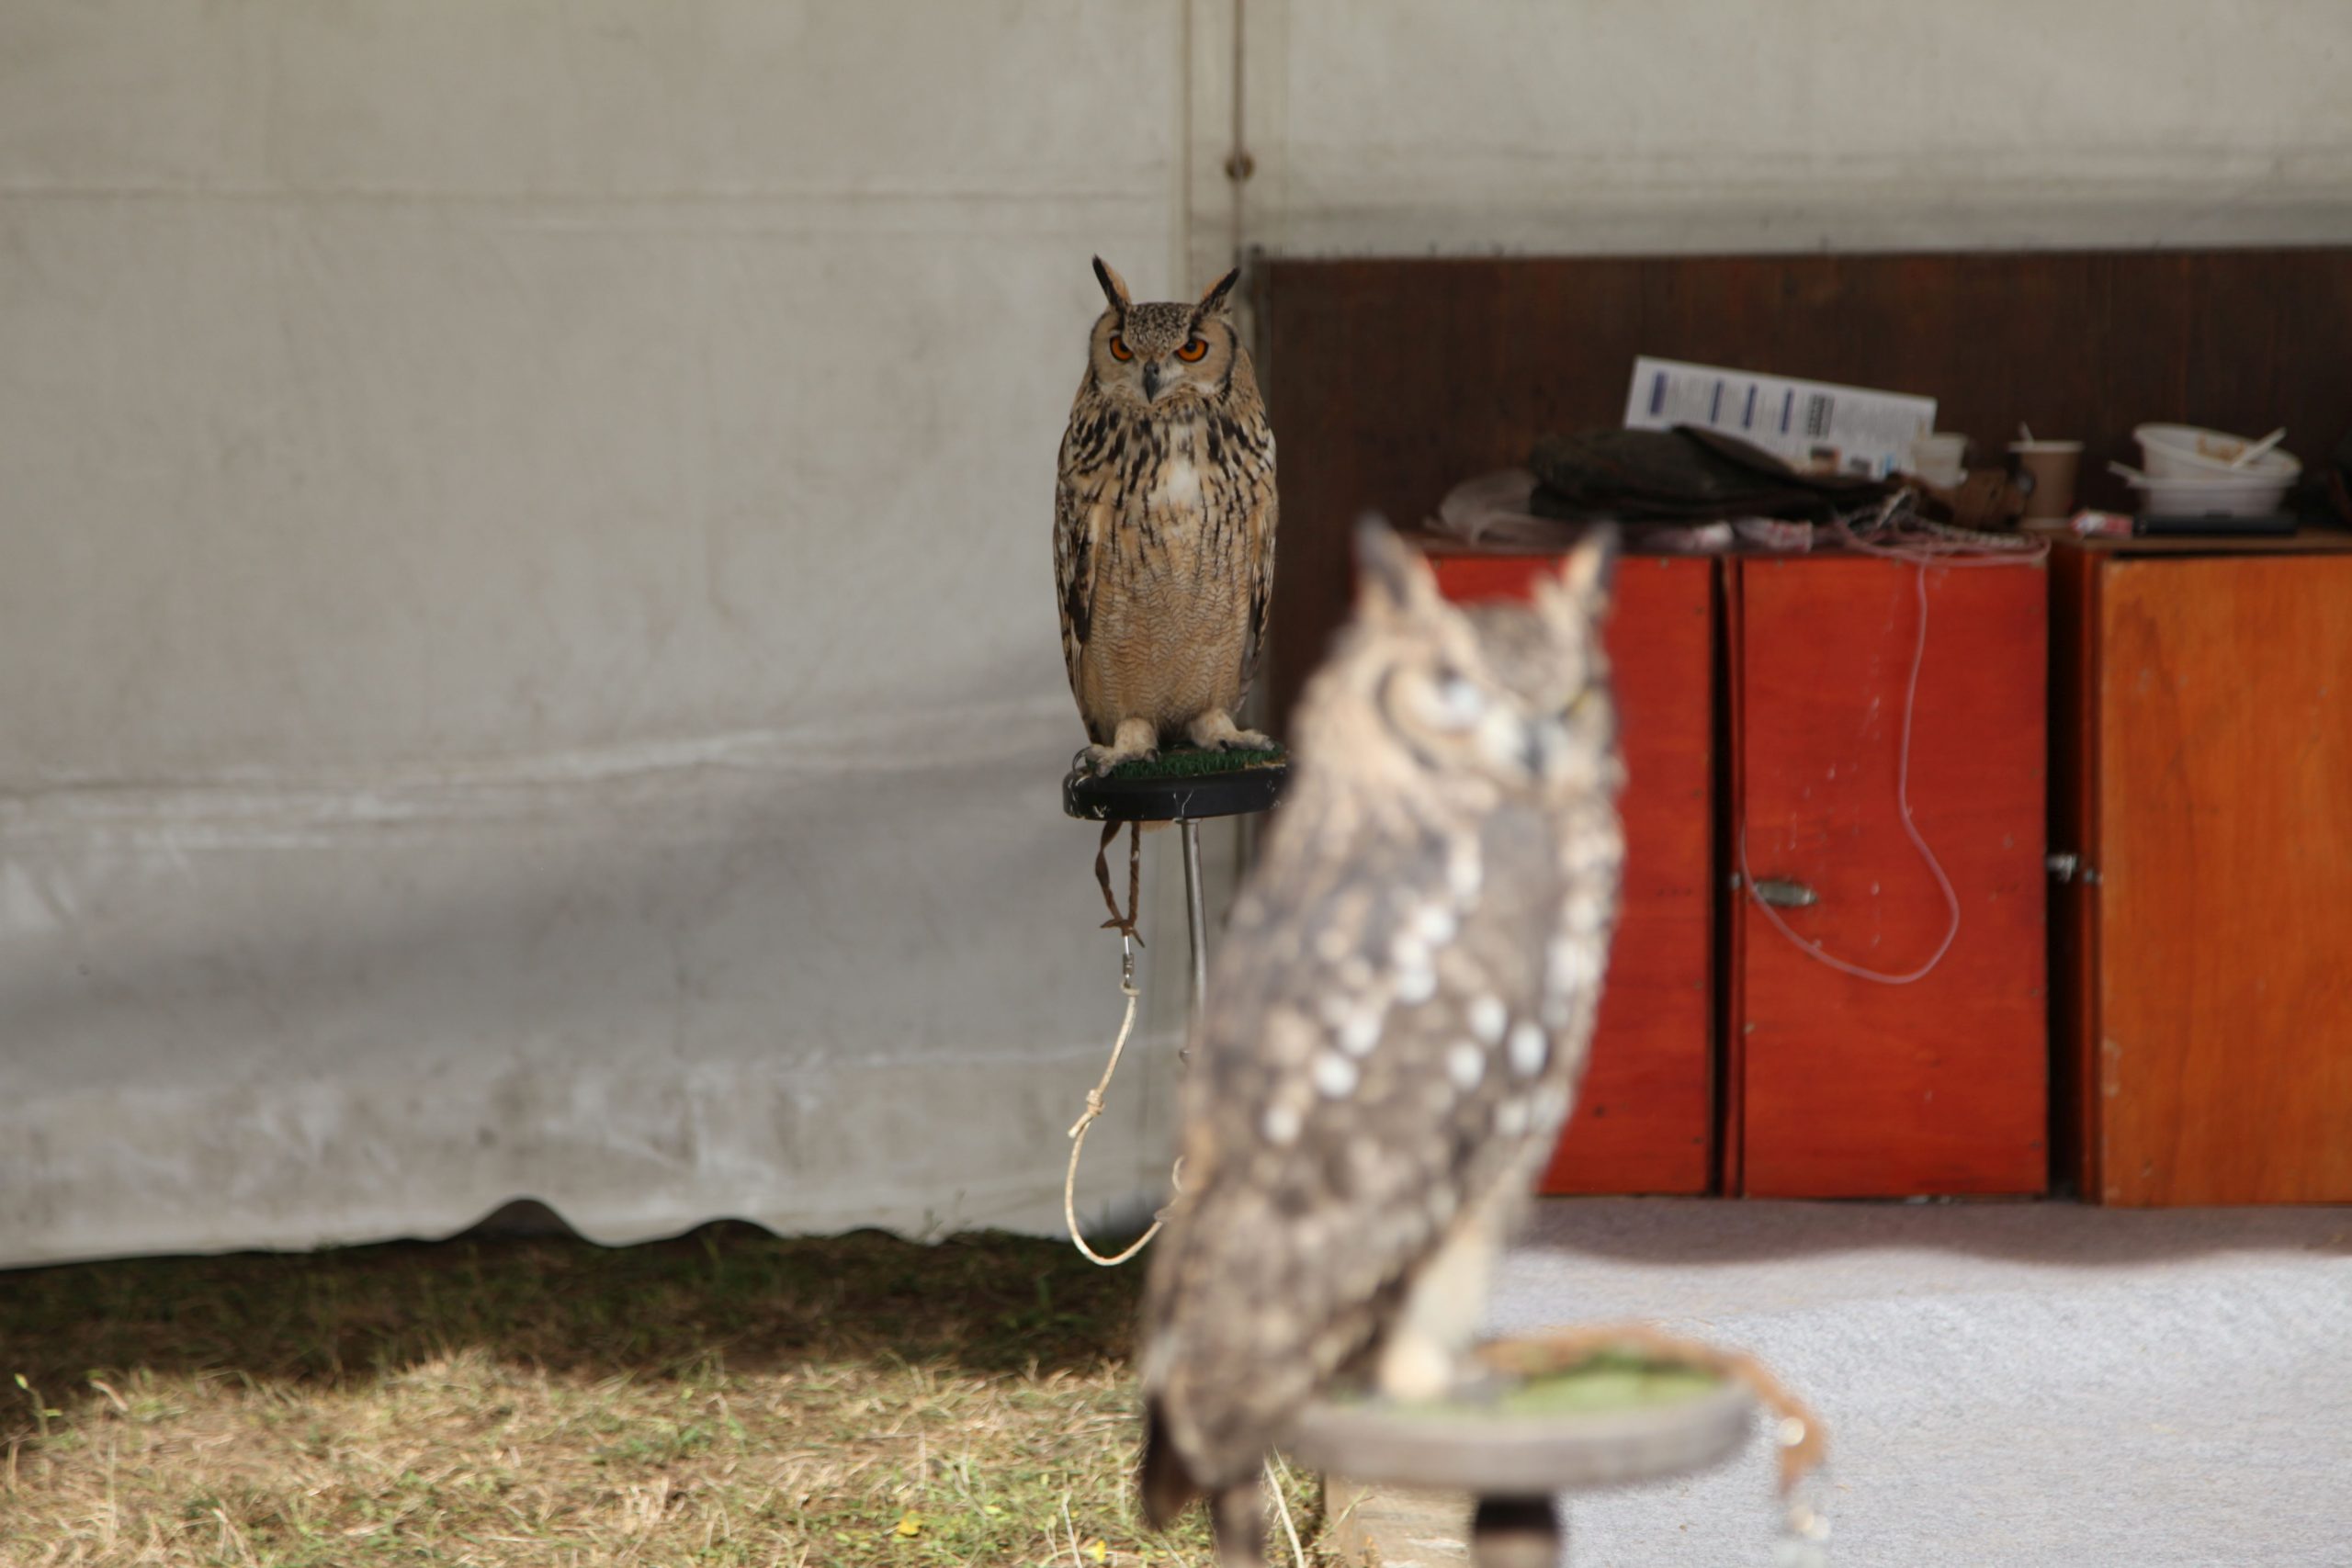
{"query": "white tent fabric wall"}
{"type": "Point", "coordinates": [526, 638]}
{"type": "Point", "coordinates": [527, 658]}
{"type": "Point", "coordinates": [1401, 127]}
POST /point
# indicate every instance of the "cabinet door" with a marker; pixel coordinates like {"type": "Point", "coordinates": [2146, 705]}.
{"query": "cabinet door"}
{"type": "Point", "coordinates": [1645, 1116]}
{"type": "Point", "coordinates": [2221, 1067]}
{"type": "Point", "coordinates": [1845, 1087]}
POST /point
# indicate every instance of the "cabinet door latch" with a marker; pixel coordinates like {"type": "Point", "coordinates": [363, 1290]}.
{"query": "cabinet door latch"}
{"type": "Point", "coordinates": [1782, 893]}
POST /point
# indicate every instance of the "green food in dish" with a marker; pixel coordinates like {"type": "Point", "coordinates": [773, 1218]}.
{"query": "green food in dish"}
{"type": "Point", "coordinates": [1605, 1383]}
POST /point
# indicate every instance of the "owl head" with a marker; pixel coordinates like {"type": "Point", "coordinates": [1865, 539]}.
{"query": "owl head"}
{"type": "Point", "coordinates": [1509, 698]}
{"type": "Point", "coordinates": [1162, 357]}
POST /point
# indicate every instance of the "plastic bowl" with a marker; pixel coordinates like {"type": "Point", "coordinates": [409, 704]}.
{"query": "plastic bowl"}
{"type": "Point", "coordinates": [2189, 451]}
{"type": "Point", "coordinates": [2247, 494]}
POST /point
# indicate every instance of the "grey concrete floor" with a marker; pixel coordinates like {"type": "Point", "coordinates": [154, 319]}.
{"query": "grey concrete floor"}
{"type": "Point", "coordinates": [2003, 1384]}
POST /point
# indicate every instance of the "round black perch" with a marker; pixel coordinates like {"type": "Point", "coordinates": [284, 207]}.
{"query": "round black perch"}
{"type": "Point", "coordinates": [1179, 785]}
{"type": "Point", "coordinates": [1514, 1443]}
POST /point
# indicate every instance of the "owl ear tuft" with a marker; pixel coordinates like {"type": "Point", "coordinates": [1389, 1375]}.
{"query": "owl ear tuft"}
{"type": "Point", "coordinates": [1588, 577]}
{"type": "Point", "coordinates": [1392, 576]}
{"type": "Point", "coordinates": [1218, 300]}
{"type": "Point", "coordinates": [1115, 287]}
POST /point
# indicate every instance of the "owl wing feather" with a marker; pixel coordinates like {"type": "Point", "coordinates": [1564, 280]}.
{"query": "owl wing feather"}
{"type": "Point", "coordinates": [1258, 534]}
{"type": "Point", "coordinates": [1333, 1131]}
{"type": "Point", "coordinates": [1079, 517]}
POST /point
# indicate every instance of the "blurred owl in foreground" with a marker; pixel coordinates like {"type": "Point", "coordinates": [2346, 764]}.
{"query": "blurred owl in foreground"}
{"type": "Point", "coordinates": [1164, 527]}
{"type": "Point", "coordinates": [1395, 1025]}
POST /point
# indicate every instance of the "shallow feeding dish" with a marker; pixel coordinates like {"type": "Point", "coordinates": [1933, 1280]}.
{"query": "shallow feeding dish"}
{"type": "Point", "coordinates": [2215, 495]}
{"type": "Point", "coordinates": [1618, 1417]}
{"type": "Point", "coordinates": [1567, 1411]}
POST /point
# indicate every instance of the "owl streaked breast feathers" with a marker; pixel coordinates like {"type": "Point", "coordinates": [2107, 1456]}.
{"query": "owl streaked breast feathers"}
{"type": "Point", "coordinates": [1164, 526]}
{"type": "Point", "coordinates": [1397, 1021]}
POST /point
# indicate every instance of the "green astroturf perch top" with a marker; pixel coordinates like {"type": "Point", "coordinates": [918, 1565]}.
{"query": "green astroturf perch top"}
{"type": "Point", "coordinates": [1194, 761]}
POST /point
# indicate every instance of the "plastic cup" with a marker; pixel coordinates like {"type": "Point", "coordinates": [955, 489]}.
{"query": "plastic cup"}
{"type": "Point", "coordinates": [2053, 465]}
{"type": "Point", "coordinates": [1940, 459]}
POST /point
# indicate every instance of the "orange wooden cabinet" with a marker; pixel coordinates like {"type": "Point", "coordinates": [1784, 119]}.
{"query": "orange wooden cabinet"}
{"type": "Point", "coordinates": [1838, 1086]}
{"type": "Point", "coordinates": [1645, 1117]}
{"type": "Point", "coordinates": [2205, 756]}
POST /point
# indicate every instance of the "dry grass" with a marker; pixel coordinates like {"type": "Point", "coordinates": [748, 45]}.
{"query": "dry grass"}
{"type": "Point", "coordinates": [726, 1398]}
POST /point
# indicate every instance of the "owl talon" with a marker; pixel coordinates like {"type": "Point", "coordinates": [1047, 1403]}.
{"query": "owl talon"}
{"type": "Point", "coordinates": [1136, 739]}
{"type": "Point", "coordinates": [1102, 759]}
{"type": "Point", "coordinates": [1215, 731]}
{"type": "Point", "coordinates": [1413, 1370]}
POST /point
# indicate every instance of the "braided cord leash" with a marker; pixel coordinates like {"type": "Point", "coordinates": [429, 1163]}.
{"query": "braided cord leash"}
{"type": "Point", "coordinates": [1096, 1100]}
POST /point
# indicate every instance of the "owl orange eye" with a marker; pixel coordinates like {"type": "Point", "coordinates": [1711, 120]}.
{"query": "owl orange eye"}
{"type": "Point", "coordinates": [1119, 349]}
{"type": "Point", "coordinates": [1194, 350]}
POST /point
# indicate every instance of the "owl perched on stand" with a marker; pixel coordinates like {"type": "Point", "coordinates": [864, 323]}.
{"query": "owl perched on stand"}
{"type": "Point", "coordinates": [1395, 1025]}
{"type": "Point", "coordinates": [1164, 527]}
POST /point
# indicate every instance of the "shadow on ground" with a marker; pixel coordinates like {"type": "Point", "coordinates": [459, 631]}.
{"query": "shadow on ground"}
{"type": "Point", "coordinates": [1702, 1231]}
{"type": "Point", "coordinates": [727, 1293]}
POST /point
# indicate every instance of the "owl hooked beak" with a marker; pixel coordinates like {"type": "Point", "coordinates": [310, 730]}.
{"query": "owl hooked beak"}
{"type": "Point", "coordinates": [1151, 380]}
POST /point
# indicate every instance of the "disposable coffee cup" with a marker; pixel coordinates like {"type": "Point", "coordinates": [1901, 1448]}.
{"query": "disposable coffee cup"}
{"type": "Point", "coordinates": [2053, 465]}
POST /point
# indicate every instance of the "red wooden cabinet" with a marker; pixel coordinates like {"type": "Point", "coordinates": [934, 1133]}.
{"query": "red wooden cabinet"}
{"type": "Point", "coordinates": [1844, 1087]}
{"type": "Point", "coordinates": [1830, 1085]}
{"type": "Point", "coordinates": [1645, 1116]}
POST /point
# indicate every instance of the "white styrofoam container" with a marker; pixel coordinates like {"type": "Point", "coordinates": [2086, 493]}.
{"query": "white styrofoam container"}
{"type": "Point", "coordinates": [2189, 451]}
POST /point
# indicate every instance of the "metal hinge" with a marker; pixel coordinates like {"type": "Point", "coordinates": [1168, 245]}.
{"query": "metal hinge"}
{"type": "Point", "coordinates": [2066, 867]}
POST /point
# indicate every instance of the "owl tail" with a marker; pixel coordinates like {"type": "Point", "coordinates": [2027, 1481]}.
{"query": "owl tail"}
{"type": "Point", "coordinates": [1168, 1487]}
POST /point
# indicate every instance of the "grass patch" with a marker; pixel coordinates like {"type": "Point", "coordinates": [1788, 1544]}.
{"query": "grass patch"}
{"type": "Point", "coordinates": [726, 1398]}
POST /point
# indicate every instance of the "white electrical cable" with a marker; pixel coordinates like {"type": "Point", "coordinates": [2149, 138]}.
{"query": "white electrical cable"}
{"type": "Point", "coordinates": [1902, 804]}
{"type": "Point", "coordinates": [1921, 554]}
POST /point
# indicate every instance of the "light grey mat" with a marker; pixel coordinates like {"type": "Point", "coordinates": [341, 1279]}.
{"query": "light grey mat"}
{"type": "Point", "coordinates": [2003, 1384]}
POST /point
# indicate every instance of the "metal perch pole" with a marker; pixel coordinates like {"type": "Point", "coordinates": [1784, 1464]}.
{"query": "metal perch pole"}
{"type": "Point", "coordinates": [1195, 919]}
